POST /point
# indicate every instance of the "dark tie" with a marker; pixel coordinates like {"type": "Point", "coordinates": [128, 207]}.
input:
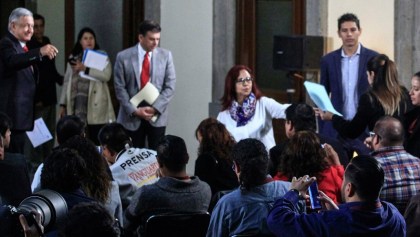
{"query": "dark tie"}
{"type": "Point", "coordinates": [145, 71]}
{"type": "Point", "coordinates": [25, 48]}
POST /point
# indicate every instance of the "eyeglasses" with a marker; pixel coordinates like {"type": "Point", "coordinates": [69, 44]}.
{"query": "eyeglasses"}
{"type": "Point", "coordinates": [245, 79]}
{"type": "Point", "coordinates": [372, 134]}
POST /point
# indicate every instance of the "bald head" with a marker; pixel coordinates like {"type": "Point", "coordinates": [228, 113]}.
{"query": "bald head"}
{"type": "Point", "coordinates": [390, 131]}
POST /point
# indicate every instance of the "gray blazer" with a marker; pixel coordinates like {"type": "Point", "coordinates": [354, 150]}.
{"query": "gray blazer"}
{"type": "Point", "coordinates": [126, 83]}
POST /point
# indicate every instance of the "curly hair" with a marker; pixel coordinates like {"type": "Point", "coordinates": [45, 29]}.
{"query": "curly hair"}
{"type": "Point", "coordinates": [98, 180]}
{"type": "Point", "coordinates": [252, 158]}
{"type": "Point", "coordinates": [303, 155]}
{"type": "Point", "coordinates": [64, 171]}
{"type": "Point", "coordinates": [215, 139]}
{"type": "Point", "coordinates": [89, 219]}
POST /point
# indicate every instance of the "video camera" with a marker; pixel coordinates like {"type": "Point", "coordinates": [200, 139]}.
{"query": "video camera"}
{"type": "Point", "coordinates": [49, 204]}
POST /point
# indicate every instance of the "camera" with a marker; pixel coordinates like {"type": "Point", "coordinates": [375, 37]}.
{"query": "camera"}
{"type": "Point", "coordinates": [49, 204]}
{"type": "Point", "coordinates": [73, 59]}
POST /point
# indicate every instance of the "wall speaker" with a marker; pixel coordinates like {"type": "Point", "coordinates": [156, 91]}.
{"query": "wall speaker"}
{"type": "Point", "coordinates": [297, 53]}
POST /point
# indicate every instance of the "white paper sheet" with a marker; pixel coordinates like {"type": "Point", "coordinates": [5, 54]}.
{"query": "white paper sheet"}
{"type": "Point", "coordinates": [40, 134]}
{"type": "Point", "coordinates": [149, 93]}
{"type": "Point", "coordinates": [320, 97]}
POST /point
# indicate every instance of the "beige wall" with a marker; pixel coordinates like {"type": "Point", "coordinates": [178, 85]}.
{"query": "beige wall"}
{"type": "Point", "coordinates": [53, 11]}
{"type": "Point", "coordinates": [376, 20]}
{"type": "Point", "coordinates": [188, 34]}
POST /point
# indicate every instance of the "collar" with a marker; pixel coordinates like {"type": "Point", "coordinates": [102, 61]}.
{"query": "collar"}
{"type": "Point", "coordinates": [142, 52]}
{"type": "Point", "coordinates": [387, 149]}
{"type": "Point", "coordinates": [343, 55]}
{"type": "Point", "coordinates": [372, 205]}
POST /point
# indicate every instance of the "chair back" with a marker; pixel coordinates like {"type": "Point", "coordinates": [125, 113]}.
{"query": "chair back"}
{"type": "Point", "coordinates": [182, 224]}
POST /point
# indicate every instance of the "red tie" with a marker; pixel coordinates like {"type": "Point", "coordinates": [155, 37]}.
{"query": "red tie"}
{"type": "Point", "coordinates": [145, 71]}
{"type": "Point", "coordinates": [25, 48]}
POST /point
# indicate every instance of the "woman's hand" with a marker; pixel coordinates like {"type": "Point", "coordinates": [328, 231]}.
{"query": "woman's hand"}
{"type": "Point", "coordinates": [78, 67]}
{"type": "Point", "coordinates": [324, 115]}
{"type": "Point", "coordinates": [332, 156]}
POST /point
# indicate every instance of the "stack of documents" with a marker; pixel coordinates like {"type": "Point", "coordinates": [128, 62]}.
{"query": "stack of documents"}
{"type": "Point", "coordinates": [94, 59]}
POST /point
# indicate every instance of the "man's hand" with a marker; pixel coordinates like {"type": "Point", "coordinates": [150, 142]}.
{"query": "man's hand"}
{"type": "Point", "coordinates": [326, 202]}
{"type": "Point", "coordinates": [63, 111]}
{"type": "Point", "coordinates": [145, 113]}
{"type": "Point", "coordinates": [302, 184]}
{"type": "Point", "coordinates": [32, 231]}
{"type": "Point", "coordinates": [49, 50]}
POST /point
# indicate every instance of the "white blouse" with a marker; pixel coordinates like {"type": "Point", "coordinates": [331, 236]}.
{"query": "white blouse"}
{"type": "Point", "coordinates": [260, 126]}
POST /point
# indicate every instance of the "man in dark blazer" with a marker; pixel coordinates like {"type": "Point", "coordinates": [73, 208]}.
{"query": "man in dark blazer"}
{"type": "Point", "coordinates": [18, 79]}
{"type": "Point", "coordinates": [343, 73]}
{"type": "Point", "coordinates": [14, 174]}
{"type": "Point", "coordinates": [45, 95]}
{"type": "Point", "coordinates": [127, 73]}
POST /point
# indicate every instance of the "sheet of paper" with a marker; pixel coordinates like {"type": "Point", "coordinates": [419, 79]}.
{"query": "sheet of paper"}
{"type": "Point", "coordinates": [320, 97]}
{"type": "Point", "coordinates": [40, 134]}
{"type": "Point", "coordinates": [95, 59]}
{"type": "Point", "coordinates": [149, 93]}
{"type": "Point", "coordinates": [82, 74]}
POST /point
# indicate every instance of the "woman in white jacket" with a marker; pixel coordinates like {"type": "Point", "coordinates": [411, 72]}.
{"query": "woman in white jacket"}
{"type": "Point", "coordinates": [88, 99]}
{"type": "Point", "coordinates": [246, 113]}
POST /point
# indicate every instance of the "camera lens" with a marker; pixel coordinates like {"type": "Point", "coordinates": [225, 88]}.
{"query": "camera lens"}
{"type": "Point", "coordinates": [50, 204]}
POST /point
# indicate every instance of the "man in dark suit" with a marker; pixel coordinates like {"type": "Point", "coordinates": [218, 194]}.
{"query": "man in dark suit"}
{"type": "Point", "coordinates": [45, 95]}
{"type": "Point", "coordinates": [14, 175]}
{"type": "Point", "coordinates": [343, 73]}
{"type": "Point", "coordinates": [128, 80]}
{"type": "Point", "coordinates": [18, 80]}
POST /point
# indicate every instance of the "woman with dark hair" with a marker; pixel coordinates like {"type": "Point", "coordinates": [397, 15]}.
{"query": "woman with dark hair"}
{"type": "Point", "coordinates": [98, 182]}
{"type": "Point", "coordinates": [88, 99]}
{"type": "Point", "coordinates": [214, 162]}
{"type": "Point", "coordinates": [412, 119]}
{"type": "Point", "coordinates": [386, 96]}
{"type": "Point", "coordinates": [246, 113]}
{"type": "Point", "coordinates": [304, 155]}
{"type": "Point", "coordinates": [64, 172]}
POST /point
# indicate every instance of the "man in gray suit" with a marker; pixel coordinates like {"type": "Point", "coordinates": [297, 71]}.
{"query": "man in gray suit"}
{"type": "Point", "coordinates": [129, 77]}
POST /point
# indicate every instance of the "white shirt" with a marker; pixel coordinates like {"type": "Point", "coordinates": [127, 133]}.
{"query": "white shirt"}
{"type": "Point", "coordinates": [260, 126]}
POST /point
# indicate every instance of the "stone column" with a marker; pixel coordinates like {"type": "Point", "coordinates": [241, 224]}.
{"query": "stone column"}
{"type": "Point", "coordinates": [152, 10]}
{"type": "Point", "coordinates": [224, 28]}
{"type": "Point", "coordinates": [406, 39]}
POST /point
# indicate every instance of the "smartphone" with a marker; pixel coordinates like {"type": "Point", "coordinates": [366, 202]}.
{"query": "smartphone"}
{"type": "Point", "coordinates": [313, 196]}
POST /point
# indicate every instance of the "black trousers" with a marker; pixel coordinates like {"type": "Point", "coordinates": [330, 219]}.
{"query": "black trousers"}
{"type": "Point", "coordinates": [146, 131]}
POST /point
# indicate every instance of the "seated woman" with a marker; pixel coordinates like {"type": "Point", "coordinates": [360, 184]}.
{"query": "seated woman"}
{"type": "Point", "coordinates": [214, 162]}
{"type": "Point", "coordinates": [98, 183]}
{"type": "Point", "coordinates": [412, 119]}
{"type": "Point", "coordinates": [64, 172]}
{"type": "Point", "coordinates": [304, 155]}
